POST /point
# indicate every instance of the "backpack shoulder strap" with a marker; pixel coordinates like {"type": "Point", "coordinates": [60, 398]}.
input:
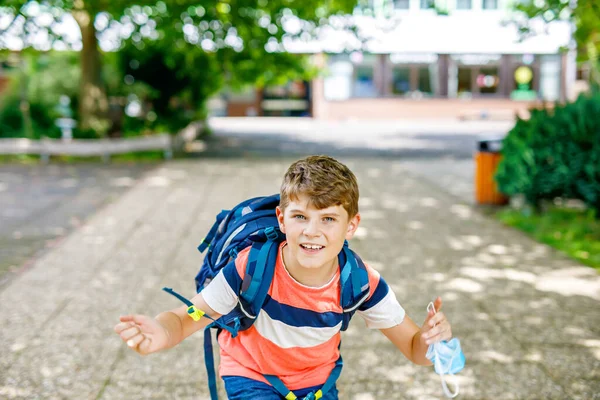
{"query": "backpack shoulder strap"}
{"type": "Point", "coordinates": [259, 272]}
{"type": "Point", "coordinates": [354, 283]}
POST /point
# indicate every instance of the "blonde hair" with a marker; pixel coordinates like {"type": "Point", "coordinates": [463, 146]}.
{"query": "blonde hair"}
{"type": "Point", "coordinates": [324, 180]}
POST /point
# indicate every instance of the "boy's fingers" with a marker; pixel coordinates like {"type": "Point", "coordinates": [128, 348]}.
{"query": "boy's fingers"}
{"type": "Point", "coordinates": [437, 303]}
{"type": "Point", "coordinates": [135, 341]}
{"type": "Point", "coordinates": [436, 319]}
{"type": "Point", "coordinates": [432, 332]}
{"type": "Point", "coordinates": [133, 318]}
{"type": "Point", "coordinates": [430, 315]}
{"type": "Point", "coordinates": [126, 318]}
{"type": "Point", "coordinates": [130, 333]}
{"type": "Point", "coordinates": [140, 319]}
{"type": "Point", "coordinates": [120, 327]}
{"type": "Point", "coordinates": [144, 346]}
{"type": "Point", "coordinates": [437, 334]}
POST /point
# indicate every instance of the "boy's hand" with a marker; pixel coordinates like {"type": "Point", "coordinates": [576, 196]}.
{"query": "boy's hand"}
{"type": "Point", "coordinates": [142, 334]}
{"type": "Point", "coordinates": [436, 327]}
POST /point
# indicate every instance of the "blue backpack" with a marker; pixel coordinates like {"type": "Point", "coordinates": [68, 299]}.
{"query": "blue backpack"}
{"type": "Point", "coordinates": [253, 223]}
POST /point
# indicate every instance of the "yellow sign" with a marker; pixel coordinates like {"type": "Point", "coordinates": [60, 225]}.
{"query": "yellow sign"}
{"type": "Point", "coordinates": [523, 75]}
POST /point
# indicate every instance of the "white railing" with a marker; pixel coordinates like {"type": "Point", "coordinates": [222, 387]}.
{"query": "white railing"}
{"type": "Point", "coordinates": [87, 147]}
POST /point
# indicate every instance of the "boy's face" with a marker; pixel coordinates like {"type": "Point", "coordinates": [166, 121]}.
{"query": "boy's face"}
{"type": "Point", "coordinates": [315, 237]}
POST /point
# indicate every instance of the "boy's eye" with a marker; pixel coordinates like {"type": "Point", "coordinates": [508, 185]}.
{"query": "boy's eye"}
{"type": "Point", "coordinates": [329, 219]}
{"type": "Point", "coordinates": [299, 216]}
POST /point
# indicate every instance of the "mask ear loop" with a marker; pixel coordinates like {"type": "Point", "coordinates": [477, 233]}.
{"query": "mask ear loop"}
{"type": "Point", "coordinates": [447, 392]}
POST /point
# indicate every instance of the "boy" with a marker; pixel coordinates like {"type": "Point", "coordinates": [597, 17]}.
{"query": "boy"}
{"type": "Point", "coordinates": [297, 334]}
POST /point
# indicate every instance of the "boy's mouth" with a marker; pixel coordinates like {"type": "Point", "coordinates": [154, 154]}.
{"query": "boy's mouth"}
{"type": "Point", "coordinates": [311, 248]}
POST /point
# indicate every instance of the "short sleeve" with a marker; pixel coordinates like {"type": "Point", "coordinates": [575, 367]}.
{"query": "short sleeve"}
{"type": "Point", "coordinates": [221, 294]}
{"type": "Point", "coordinates": [381, 310]}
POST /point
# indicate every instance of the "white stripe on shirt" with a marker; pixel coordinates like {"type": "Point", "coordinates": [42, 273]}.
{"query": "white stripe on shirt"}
{"type": "Point", "coordinates": [385, 314]}
{"type": "Point", "coordinates": [287, 336]}
{"type": "Point", "coordinates": [219, 295]}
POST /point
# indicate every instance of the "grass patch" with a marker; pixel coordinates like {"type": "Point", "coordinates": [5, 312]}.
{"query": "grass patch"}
{"type": "Point", "coordinates": [141, 156]}
{"type": "Point", "coordinates": [573, 231]}
{"type": "Point", "coordinates": [19, 159]}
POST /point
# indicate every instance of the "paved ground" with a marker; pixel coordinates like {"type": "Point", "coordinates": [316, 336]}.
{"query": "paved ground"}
{"type": "Point", "coordinates": [40, 205]}
{"type": "Point", "coordinates": [277, 137]}
{"type": "Point", "coordinates": [527, 316]}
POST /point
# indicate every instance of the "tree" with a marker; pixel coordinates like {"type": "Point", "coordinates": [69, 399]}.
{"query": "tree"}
{"type": "Point", "coordinates": [243, 36]}
{"type": "Point", "coordinates": [584, 15]}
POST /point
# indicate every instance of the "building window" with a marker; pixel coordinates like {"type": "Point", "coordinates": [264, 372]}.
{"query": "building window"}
{"type": "Point", "coordinates": [427, 4]}
{"type": "Point", "coordinates": [414, 81]}
{"type": "Point", "coordinates": [364, 84]}
{"type": "Point", "coordinates": [425, 80]}
{"type": "Point", "coordinates": [401, 4]}
{"type": "Point", "coordinates": [351, 76]}
{"type": "Point", "coordinates": [464, 82]}
{"type": "Point", "coordinates": [488, 80]}
{"type": "Point", "coordinates": [400, 81]}
{"type": "Point", "coordinates": [463, 4]}
{"type": "Point", "coordinates": [338, 82]}
{"type": "Point", "coordinates": [477, 74]}
{"type": "Point", "coordinates": [286, 100]}
{"type": "Point", "coordinates": [490, 4]}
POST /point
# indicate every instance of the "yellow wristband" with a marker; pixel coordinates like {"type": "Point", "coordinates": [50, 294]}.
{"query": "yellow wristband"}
{"type": "Point", "coordinates": [194, 313]}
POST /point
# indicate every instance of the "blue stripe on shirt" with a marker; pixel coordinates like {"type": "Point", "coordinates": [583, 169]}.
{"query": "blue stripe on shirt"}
{"type": "Point", "coordinates": [380, 292]}
{"type": "Point", "coordinates": [300, 317]}
{"type": "Point", "coordinates": [232, 277]}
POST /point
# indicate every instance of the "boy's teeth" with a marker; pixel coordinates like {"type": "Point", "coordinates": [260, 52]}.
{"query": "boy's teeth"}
{"type": "Point", "coordinates": [311, 247]}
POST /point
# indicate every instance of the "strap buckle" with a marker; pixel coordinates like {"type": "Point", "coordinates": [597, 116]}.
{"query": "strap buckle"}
{"type": "Point", "coordinates": [271, 233]}
{"type": "Point", "coordinates": [314, 395]}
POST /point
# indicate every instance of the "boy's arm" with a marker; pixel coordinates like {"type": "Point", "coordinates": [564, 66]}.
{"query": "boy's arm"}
{"type": "Point", "coordinates": [180, 325]}
{"type": "Point", "coordinates": [406, 336]}
{"type": "Point", "coordinates": [413, 341]}
{"type": "Point", "coordinates": [147, 335]}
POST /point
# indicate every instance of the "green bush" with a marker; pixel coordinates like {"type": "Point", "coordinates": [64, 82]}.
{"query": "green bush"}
{"type": "Point", "coordinates": [46, 77]}
{"type": "Point", "coordinates": [12, 123]}
{"type": "Point", "coordinates": [556, 153]}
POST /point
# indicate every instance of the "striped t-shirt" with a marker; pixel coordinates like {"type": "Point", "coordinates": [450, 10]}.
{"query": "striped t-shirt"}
{"type": "Point", "coordinates": [297, 333]}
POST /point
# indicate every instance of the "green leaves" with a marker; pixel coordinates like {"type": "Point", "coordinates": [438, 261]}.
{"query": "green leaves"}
{"type": "Point", "coordinates": [184, 50]}
{"type": "Point", "coordinates": [556, 153]}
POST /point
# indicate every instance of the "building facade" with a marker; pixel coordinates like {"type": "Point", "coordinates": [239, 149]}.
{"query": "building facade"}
{"type": "Point", "coordinates": [452, 58]}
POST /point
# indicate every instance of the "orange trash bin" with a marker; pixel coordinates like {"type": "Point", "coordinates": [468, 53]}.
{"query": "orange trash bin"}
{"type": "Point", "coordinates": [487, 158]}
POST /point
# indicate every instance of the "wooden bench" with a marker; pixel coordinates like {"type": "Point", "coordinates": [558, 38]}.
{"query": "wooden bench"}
{"type": "Point", "coordinates": [87, 147]}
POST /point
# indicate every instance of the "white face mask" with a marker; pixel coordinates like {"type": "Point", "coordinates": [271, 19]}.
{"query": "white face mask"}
{"type": "Point", "coordinates": [447, 358]}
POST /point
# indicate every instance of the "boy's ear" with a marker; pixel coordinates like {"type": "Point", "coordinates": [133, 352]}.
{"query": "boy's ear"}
{"type": "Point", "coordinates": [352, 226]}
{"type": "Point", "coordinates": [279, 213]}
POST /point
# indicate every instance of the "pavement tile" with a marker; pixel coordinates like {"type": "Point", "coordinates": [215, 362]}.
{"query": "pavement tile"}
{"type": "Point", "coordinates": [569, 363]}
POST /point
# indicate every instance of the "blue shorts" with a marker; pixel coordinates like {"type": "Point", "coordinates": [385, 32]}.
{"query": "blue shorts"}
{"type": "Point", "coordinates": [240, 388]}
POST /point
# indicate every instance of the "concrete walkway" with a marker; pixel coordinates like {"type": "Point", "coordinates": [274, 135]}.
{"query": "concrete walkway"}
{"type": "Point", "coordinates": [40, 205]}
{"type": "Point", "coordinates": [527, 316]}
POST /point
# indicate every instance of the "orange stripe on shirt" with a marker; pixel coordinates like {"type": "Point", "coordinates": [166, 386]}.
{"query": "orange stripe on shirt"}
{"type": "Point", "coordinates": [251, 356]}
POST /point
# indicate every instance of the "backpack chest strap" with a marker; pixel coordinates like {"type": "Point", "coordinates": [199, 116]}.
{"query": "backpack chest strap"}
{"type": "Point", "coordinates": [329, 383]}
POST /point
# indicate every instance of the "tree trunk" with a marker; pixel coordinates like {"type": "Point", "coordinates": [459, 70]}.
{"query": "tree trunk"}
{"type": "Point", "coordinates": [93, 103]}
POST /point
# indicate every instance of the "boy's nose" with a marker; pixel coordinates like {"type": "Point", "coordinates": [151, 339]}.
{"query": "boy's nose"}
{"type": "Point", "coordinates": [311, 229]}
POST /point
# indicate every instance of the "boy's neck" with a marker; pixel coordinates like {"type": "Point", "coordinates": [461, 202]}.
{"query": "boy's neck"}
{"type": "Point", "coordinates": [311, 277]}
